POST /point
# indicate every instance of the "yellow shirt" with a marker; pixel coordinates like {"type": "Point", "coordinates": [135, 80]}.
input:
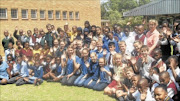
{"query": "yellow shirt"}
{"type": "Point", "coordinates": [36, 51]}
{"type": "Point", "coordinates": [72, 36]}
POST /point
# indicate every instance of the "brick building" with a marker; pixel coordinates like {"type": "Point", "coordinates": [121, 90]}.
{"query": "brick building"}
{"type": "Point", "coordinates": [28, 14]}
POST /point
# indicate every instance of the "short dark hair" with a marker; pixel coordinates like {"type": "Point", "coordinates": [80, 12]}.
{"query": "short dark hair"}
{"type": "Point", "coordinates": [111, 44]}
{"type": "Point", "coordinates": [163, 86]}
{"type": "Point", "coordinates": [156, 69]}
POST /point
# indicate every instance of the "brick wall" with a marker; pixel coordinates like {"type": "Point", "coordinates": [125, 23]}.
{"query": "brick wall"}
{"type": "Point", "coordinates": [88, 10]}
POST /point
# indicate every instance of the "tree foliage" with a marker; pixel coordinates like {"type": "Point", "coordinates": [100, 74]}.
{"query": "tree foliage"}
{"type": "Point", "coordinates": [114, 9]}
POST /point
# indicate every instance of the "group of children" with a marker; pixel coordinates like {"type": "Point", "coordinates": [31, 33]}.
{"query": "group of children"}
{"type": "Point", "coordinates": [129, 66]}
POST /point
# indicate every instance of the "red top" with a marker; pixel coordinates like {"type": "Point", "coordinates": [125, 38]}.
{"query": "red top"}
{"type": "Point", "coordinates": [173, 86]}
{"type": "Point", "coordinates": [27, 52]}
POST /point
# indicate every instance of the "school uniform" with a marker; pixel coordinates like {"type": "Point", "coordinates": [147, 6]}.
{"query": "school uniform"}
{"type": "Point", "coordinates": [145, 67]}
{"type": "Point", "coordinates": [149, 96]}
{"type": "Point", "coordinates": [94, 79]}
{"type": "Point", "coordinates": [59, 71]}
{"type": "Point", "coordinates": [27, 52]}
{"type": "Point", "coordinates": [141, 38]}
{"type": "Point", "coordinates": [69, 70]}
{"type": "Point", "coordinates": [109, 58]}
{"type": "Point", "coordinates": [177, 70]}
{"type": "Point", "coordinates": [3, 71]}
{"type": "Point", "coordinates": [105, 45]}
{"type": "Point", "coordinates": [99, 53]}
{"type": "Point", "coordinates": [105, 79]}
{"type": "Point", "coordinates": [120, 35]}
{"type": "Point", "coordinates": [136, 96]}
{"type": "Point", "coordinates": [92, 73]}
{"type": "Point", "coordinates": [6, 41]}
{"type": "Point", "coordinates": [22, 69]}
{"type": "Point", "coordinates": [129, 42]}
{"type": "Point", "coordinates": [84, 71]}
{"type": "Point", "coordinates": [38, 73]}
{"type": "Point", "coordinates": [49, 39]}
{"type": "Point", "coordinates": [171, 89]}
{"type": "Point", "coordinates": [168, 99]}
{"type": "Point", "coordinates": [9, 51]}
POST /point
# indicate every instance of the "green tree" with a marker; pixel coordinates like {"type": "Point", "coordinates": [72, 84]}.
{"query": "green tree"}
{"type": "Point", "coordinates": [116, 9]}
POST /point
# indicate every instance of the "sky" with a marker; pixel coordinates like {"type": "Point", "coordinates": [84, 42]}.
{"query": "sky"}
{"type": "Point", "coordinates": [103, 1]}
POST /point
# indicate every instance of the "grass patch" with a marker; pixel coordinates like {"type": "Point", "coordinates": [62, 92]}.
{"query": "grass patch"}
{"type": "Point", "coordinates": [50, 91]}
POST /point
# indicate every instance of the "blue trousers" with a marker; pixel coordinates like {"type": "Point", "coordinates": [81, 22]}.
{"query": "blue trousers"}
{"type": "Point", "coordinates": [79, 81]}
{"type": "Point", "coordinates": [100, 86]}
{"type": "Point", "coordinates": [90, 86]}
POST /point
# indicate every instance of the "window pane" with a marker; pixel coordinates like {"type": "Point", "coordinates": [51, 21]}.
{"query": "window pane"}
{"type": "Point", "coordinates": [57, 14]}
{"type": "Point", "coordinates": [3, 13]}
{"type": "Point", "coordinates": [64, 15]}
{"type": "Point", "coordinates": [71, 15]}
{"type": "Point", "coordinates": [77, 15]}
{"type": "Point", "coordinates": [24, 13]}
{"type": "Point", "coordinates": [33, 14]}
{"type": "Point", "coordinates": [50, 14]}
{"type": "Point", "coordinates": [14, 13]}
{"type": "Point", "coordinates": [42, 14]}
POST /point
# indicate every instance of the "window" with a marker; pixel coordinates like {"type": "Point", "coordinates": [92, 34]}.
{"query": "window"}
{"type": "Point", "coordinates": [71, 15]}
{"type": "Point", "coordinates": [34, 14]}
{"type": "Point", "coordinates": [77, 15]}
{"type": "Point", "coordinates": [58, 15]}
{"type": "Point", "coordinates": [14, 13]}
{"type": "Point", "coordinates": [3, 13]}
{"type": "Point", "coordinates": [24, 14]}
{"type": "Point", "coordinates": [42, 14]}
{"type": "Point", "coordinates": [50, 14]}
{"type": "Point", "coordinates": [65, 15]}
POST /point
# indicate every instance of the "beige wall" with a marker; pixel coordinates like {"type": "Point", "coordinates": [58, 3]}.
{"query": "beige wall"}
{"type": "Point", "coordinates": [88, 10]}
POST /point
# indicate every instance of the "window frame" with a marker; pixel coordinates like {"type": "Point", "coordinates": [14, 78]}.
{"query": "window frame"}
{"type": "Point", "coordinates": [51, 14]}
{"type": "Point", "coordinates": [35, 13]}
{"type": "Point", "coordinates": [59, 14]}
{"type": "Point", "coordinates": [16, 13]}
{"type": "Point", "coordinates": [72, 15]}
{"type": "Point", "coordinates": [5, 14]}
{"type": "Point", "coordinates": [66, 15]}
{"type": "Point", "coordinates": [78, 15]}
{"type": "Point", "coordinates": [26, 13]}
{"type": "Point", "coordinates": [44, 14]}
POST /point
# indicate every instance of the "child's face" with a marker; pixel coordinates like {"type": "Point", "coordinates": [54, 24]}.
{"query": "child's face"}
{"type": "Point", "coordinates": [118, 60]}
{"type": "Point", "coordinates": [9, 58]}
{"type": "Point", "coordinates": [62, 44]}
{"type": "Point", "coordinates": [37, 63]}
{"type": "Point", "coordinates": [49, 28]}
{"type": "Point", "coordinates": [48, 59]}
{"type": "Point", "coordinates": [101, 62]}
{"type": "Point", "coordinates": [70, 51]}
{"type": "Point", "coordinates": [93, 57]}
{"type": "Point", "coordinates": [172, 63]}
{"type": "Point", "coordinates": [86, 33]}
{"type": "Point", "coordinates": [74, 29]}
{"type": "Point", "coordinates": [99, 46]}
{"type": "Point", "coordinates": [110, 35]}
{"type": "Point", "coordinates": [129, 74]}
{"type": "Point", "coordinates": [137, 47]}
{"type": "Point", "coordinates": [58, 60]}
{"type": "Point", "coordinates": [10, 45]}
{"type": "Point", "coordinates": [134, 81]}
{"type": "Point", "coordinates": [122, 47]}
{"type": "Point", "coordinates": [144, 52]}
{"type": "Point", "coordinates": [160, 94]}
{"type": "Point", "coordinates": [157, 55]}
{"type": "Point", "coordinates": [84, 53]}
{"type": "Point", "coordinates": [111, 48]}
{"type": "Point", "coordinates": [164, 80]}
{"type": "Point", "coordinates": [6, 33]}
{"type": "Point", "coordinates": [79, 32]}
{"type": "Point", "coordinates": [98, 31]}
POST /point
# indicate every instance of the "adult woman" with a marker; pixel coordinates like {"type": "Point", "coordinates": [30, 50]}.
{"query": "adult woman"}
{"type": "Point", "coordinates": [152, 36]}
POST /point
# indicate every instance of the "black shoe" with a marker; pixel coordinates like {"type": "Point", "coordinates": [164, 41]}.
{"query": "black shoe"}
{"type": "Point", "coordinates": [49, 80]}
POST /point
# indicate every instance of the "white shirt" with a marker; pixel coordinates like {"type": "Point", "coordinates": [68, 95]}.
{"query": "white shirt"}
{"type": "Point", "coordinates": [149, 96]}
{"type": "Point", "coordinates": [129, 42]}
{"type": "Point", "coordinates": [170, 90]}
{"type": "Point", "coordinates": [177, 70]}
